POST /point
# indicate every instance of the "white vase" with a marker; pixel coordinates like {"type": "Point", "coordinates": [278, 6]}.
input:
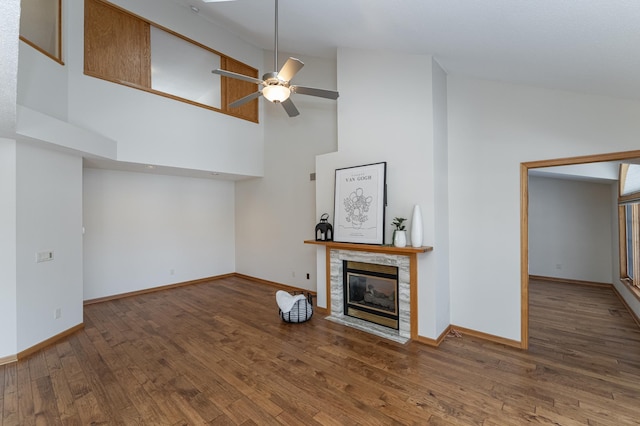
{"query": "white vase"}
{"type": "Point", "coordinates": [400, 238]}
{"type": "Point", "coordinates": [416, 227]}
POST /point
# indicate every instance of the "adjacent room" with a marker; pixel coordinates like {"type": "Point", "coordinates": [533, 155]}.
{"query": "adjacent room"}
{"type": "Point", "coordinates": [168, 166]}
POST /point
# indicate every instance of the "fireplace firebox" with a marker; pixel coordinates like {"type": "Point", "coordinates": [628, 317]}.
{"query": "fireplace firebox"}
{"type": "Point", "coordinates": [371, 292]}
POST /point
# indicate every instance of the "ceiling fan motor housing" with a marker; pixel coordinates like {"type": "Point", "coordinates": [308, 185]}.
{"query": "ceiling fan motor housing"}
{"type": "Point", "coordinates": [271, 78]}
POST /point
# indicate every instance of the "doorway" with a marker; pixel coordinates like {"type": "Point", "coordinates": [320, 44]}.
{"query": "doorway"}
{"type": "Point", "coordinates": [524, 220]}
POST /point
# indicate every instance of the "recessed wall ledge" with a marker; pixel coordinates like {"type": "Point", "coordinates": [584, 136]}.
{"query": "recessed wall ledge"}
{"type": "Point", "coordinates": [39, 127]}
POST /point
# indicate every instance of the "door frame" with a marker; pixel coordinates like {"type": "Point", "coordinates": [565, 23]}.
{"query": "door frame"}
{"type": "Point", "coordinates": [524, 221]}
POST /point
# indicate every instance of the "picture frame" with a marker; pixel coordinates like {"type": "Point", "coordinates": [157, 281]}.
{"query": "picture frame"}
{"type": "Point", "coordinates": [359, 204]}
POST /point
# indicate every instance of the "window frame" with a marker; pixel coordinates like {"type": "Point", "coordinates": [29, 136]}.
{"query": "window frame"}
{"type": "Point", "coordinates": [56, 56]}
{"type": "Point", "coordinates": [629, 204]}
{"type": "Point", "coordinates": [248, 111]}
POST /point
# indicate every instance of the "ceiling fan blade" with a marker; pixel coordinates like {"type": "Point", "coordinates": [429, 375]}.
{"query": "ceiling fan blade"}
{"type": "Point", "coordinates": [290, 108]}
{"type": "Point", "coordinates": [321, 93]}
{"type": "Point", "coordinates": [244, 100]}
{"type": "Point", "coordinates": [290, 68]}
{"type": "Point", "coordinates": [230, 74]}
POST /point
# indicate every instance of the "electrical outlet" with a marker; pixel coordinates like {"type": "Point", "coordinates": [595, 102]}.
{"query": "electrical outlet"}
{"type": "Point", "coordinates": [293, 274]}
{"type": "Point", "coordinates": [558, 266]}
{"type": "Point", "coordinates": [57, 313]}
{"type": "Point", "coordinates": [172, 271]}
{"type": "Point", "coordinates": [44, 256]}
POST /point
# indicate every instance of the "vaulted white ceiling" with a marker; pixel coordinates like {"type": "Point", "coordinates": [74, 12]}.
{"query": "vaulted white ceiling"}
{"type": "Point", "coordinates": [589, 46]}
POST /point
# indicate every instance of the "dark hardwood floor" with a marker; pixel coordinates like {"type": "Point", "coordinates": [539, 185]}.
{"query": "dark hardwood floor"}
{"type": "Point", "coordinates": [217, 353]}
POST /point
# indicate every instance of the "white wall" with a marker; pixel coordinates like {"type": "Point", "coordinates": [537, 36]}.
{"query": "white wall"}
{"type": "Point", "coordinates": [145, 230]}
{"type": "Point", "coordinates": [493, 127]}
{"type": "Point", "coordinates": [570, 229]}
{"type": "Point", "coordinates": [8, 280]}
{"type": "Point", "coordinates": [42, 102]}
{"type": "Point", "coordinates": [42, 82]}
{"type": "Point", "coordinates": [152, 129]}
{"type": "Point", "coordinates": [10, 24]}
{"type": "Point", "coordinates": [275, 214]}
{"type": "Point", "coordinates": [396, 127]}
{"type": "Point", "coordinates": [49, 217]}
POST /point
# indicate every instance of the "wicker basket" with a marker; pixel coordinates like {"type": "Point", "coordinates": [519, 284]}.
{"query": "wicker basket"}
{"type": "Point", "coordinates": [302, 310]}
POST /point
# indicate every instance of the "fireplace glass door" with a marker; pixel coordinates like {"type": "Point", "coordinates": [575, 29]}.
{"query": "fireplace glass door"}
{"type": "Point", "coordinates": [371, 293]}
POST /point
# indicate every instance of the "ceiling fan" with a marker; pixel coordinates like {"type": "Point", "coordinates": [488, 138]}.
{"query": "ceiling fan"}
{"type": "Point", "coordinates": [276, 86]}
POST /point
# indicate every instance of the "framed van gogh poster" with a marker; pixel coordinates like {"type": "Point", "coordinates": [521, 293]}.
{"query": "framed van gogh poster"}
{"type": "Point", "coordinates": [360, 201]}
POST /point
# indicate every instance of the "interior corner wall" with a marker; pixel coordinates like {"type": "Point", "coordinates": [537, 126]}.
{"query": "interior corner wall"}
{"type": "Point", "coordinates": [144, 230]}
{"type": "Point", "coordinates": [48, 218]}
{"type": "Point", "coordinates": [276, 213]}
{"type": "Point", "coordinates": [493, 128]}
{"type": "Point", "coordinates": [441, 198]}
{"type": "Point", "coordinates": [399, 131]}
{"type": "Point", "coordinates": [570, 229]}
{"type": "Point", "coordinates": [8, 279]}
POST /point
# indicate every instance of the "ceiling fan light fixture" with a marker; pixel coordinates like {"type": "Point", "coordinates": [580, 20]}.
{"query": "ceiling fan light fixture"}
{"type": "Point", "coordinates": [276, 93]}
{"type": "Point", "coordinates": [276, 85]}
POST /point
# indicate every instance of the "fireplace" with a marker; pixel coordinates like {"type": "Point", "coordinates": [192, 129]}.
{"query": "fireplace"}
{"type": "Point", "coordinates": [405, 262]}
{"type": "Point", "coordinates": [336, 295]}
{"type": "Point", "coordinates": [371, 292]}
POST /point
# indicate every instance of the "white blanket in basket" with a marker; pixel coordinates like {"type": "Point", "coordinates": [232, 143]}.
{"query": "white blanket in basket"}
{"type": "Point", "coordinates": [286, 301]}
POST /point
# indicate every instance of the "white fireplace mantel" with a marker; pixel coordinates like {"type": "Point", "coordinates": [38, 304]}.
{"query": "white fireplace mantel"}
{"type": "Point", "coordinates": [389, 253]}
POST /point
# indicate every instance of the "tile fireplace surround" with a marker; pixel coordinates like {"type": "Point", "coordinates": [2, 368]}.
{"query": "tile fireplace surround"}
{"type": "Point", "coordinates": [404, 259]}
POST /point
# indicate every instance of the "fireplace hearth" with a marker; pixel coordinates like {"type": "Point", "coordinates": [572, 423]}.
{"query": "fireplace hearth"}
{"type": "Point", "coordinates": [400, 263]}
{"type": "Point", "coordinates": [371, 292]}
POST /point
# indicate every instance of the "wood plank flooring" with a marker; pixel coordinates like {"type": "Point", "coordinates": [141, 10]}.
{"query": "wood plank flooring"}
{"type": "Point", "coordinates": [217, 353]}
